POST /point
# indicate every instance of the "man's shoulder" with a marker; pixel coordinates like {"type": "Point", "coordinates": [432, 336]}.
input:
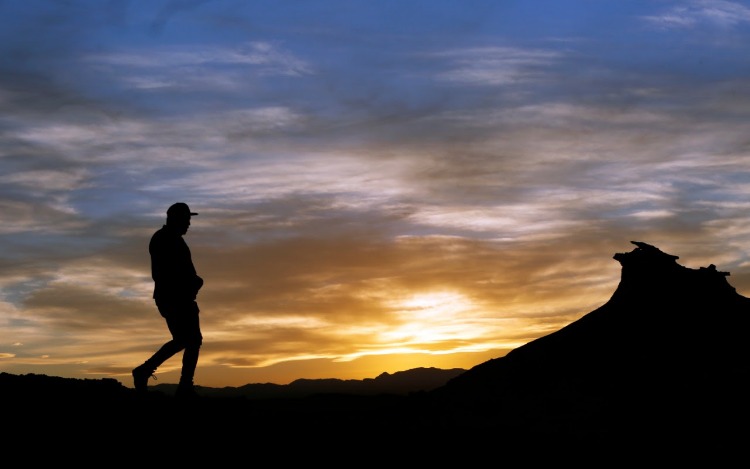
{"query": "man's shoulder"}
{"type": "Point", "coordinates": [161, 235]}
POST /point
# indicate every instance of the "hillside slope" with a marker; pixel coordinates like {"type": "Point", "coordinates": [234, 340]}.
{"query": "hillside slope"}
{"type": "Point", "coordinates": [668, 351]}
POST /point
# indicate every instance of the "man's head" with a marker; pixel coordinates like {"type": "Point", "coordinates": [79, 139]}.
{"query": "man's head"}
{"type": "Point", "coordinates": [180, 209]}
{"type": "Point", "coordinates": [178, 216]}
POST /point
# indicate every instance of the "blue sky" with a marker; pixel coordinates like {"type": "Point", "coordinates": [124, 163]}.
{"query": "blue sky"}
{"type": "Point", "coordinates": [381, 185]}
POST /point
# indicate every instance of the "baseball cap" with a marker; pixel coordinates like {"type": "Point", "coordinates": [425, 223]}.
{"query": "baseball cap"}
{"type": "Point", "coordinates": [180, 209]}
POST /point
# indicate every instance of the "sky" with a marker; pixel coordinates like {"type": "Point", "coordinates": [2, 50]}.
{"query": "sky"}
{"type": "Point", "coordinates": [381, 185]}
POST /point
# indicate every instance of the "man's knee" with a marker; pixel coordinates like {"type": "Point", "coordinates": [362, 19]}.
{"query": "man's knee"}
{"type": "Point", "coordinates": [195, 342]}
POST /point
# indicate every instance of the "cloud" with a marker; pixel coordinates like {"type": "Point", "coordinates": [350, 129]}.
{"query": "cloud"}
{"type": "Point", "coordinates": [256, 53]}
{"type": "Point", "coordinates": [497, 65]}
{"type": "Point", "coordinates": [724, 14]}
{"type": "Point", "coordinates": [197, 68]}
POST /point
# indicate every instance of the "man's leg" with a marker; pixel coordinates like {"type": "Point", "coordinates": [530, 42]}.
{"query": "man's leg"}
{"type": "Point", "coordinates": [143, 372]}
{"type": "Point", "coordinates": [189, 362]}
{"type": "Point", "coordinates": [193, 342]}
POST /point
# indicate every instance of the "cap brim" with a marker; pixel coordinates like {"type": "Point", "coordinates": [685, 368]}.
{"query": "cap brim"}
{"type": "Point", "coordinates": [193, 214]}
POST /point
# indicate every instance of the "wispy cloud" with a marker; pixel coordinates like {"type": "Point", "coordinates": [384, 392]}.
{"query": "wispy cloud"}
{"type": "Point", "coordinates": [198, 68]}
{"type": "Point", "coordinates": [265, 56]}
{"type": "Point", "coordinates": [496, 65]}
{"type": "Point", "coordinates": [697, 13]}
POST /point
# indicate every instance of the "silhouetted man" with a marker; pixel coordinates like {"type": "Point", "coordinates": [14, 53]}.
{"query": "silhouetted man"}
{"type": "Point", "coordinates": [176, 286]}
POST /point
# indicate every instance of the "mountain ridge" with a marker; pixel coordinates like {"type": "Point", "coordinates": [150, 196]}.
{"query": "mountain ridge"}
{"type": "Point", "coordinates": [414, 380]}
{"type": "Point", "coordinates": [404, 382]}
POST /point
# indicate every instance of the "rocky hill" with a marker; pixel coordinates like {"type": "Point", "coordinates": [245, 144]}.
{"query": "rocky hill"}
{"type": "Point", "coordinates": [669, 352]}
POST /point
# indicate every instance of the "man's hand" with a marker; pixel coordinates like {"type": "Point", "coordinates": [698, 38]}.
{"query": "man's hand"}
{"type": "Point", "coordinates": [197, 284]}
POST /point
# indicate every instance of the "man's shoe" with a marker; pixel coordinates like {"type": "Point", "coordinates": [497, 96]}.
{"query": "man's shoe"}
{"type": "Point", "coordinates": [140, 378]}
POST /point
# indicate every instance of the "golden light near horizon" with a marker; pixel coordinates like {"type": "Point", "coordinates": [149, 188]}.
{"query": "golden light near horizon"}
{"type": "Point", "coordinates": [431, 317]}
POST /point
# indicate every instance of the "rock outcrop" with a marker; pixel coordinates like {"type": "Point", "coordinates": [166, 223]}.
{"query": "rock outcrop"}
{"type": "Point", "coordinates": [669, 350]}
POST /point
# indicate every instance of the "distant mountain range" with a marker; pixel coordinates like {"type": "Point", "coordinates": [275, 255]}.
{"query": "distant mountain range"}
{"type": "Point", "coordinates": [416, 380]}
{"type": "Point", "coordinates": [402, 383]}
{"type": "Point", "coordinates": [663, 365]}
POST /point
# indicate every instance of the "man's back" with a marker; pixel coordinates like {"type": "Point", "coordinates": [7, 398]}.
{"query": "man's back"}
{"type": "Point", "coordinates": [172, 266]}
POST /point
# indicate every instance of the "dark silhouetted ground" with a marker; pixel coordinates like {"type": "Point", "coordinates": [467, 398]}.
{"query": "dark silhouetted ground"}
{"type": "Point", "coordinates": [657, 375]}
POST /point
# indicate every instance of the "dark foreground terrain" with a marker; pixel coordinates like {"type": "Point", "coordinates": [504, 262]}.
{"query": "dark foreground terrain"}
{"type": "Point", "coordinates": [658, 374]}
